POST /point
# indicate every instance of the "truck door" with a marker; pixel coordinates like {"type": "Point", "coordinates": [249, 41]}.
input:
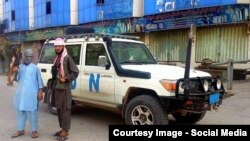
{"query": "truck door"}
{"type": "Point", "coordinates": [97, 81]}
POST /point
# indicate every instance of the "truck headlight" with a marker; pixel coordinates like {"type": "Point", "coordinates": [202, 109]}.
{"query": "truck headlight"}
{"type": "Point", "coordinates": [218, 84]}
{"type": "Point", "coordinates": [168, 85]}
{"type": "Point", "coordinates": [205, 85]}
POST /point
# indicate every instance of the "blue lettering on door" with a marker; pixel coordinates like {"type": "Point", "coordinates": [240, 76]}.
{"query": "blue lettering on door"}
{"type": "Point", "coordinates": [94, 82]}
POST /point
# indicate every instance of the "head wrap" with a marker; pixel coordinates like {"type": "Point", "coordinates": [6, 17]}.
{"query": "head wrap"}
{"type": "Point", "coordinates": [59, 42]}
{"type": "Point", "coordinates": [28, 56]}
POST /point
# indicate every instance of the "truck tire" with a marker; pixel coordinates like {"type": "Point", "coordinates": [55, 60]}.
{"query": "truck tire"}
{"type": "Point", "coordinates": [188, 118]}
{"type": "Point", "coordinates": [52, 110]}
{"type": "Point", "coordinates": [145, 110]}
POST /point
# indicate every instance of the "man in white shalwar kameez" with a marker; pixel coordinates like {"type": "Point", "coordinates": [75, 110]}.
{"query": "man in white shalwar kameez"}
{"type": "Point", "coordinates": [28, 95]}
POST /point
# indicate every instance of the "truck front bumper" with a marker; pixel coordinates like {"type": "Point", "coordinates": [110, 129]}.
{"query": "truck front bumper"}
{"type": "Point", "coordinates": [195, 99]}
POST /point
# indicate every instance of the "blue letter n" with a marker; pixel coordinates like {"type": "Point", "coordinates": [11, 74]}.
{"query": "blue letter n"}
{"type": "Point", "coordinates": [94, 82]}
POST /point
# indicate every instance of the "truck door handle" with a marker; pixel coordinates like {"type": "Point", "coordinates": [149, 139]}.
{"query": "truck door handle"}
{"type": "Point", "coordinates": [43, 70]}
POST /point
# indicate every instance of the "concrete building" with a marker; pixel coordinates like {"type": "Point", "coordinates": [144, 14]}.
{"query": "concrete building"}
{"type": "Point", "coordinates": [221, 26]}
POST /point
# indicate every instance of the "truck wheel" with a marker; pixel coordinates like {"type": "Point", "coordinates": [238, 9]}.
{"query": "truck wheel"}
{"type": "Point", "coordinates": [188, 117]}
{"type": "Point", "coordinates": [52, 110]}
{"type": "Point", "coordinates": [145, 110]}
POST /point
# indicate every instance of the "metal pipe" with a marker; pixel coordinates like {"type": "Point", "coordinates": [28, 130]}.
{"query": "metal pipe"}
{"type": "Point", "coordinates": [230, 67]}
{"type": "Point", "coordinates": [187, 68]}
{"type": "Point", "coordinates": [188, 55]}
{"type": "Point", "coordinates": [242, 61]}
{"type": "Point", "coordinates": [230, 74]}
{"type": "Point", "coordinates": [224, 63]}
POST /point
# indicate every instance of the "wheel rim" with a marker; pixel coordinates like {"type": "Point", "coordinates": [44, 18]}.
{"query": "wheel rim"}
{"type": "Point", "coordinates": [142, 115]}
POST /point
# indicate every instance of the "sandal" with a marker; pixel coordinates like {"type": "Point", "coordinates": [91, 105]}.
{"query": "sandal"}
{"type": "Point", "coordinates": [61, 138]}
{"type": "Point", "coordinates": [10, 84]}
{"type": "Point", "coordinates": [17, 134]}
{"type": "Point", "coordinates": [58, 133]}
{"type": "Point", "coordinates": [34, 134]}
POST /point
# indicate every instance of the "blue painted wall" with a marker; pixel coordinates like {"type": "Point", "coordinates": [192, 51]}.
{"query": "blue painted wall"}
{"type": "Point", "coordinates": [86, 11]}
{"type": "Point", "coordinates": [89, 11]}
{"type": "Point", "coordinates": [159, 6]}
{"type": "Point", "coordinates": [60, 13]}
{"type": "Point", "coordinates": [21, 21]}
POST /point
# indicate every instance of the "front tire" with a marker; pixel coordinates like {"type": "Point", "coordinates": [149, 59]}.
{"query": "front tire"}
{"type": "Point", "coordinates": [188, 117]}
{"type": "Point", "coordinates": [145, 110]}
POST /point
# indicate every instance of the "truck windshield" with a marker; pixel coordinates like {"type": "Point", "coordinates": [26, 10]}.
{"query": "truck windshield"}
{"type": "Point", "coordinates": [131, 53]}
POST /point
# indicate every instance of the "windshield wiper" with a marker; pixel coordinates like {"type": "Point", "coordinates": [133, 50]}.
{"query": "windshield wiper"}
{"type": "Point", "coordinates": [130, 62]}
{"type": "Point", "coordinates": [147, 62]}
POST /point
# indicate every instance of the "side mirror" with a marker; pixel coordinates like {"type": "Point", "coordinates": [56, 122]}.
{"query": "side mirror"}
{"type": "Point", "coordinates": [102, 61]}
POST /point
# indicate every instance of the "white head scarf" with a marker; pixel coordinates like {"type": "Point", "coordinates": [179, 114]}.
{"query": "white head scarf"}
{"type": "Point", "coordinates": [59, 42]}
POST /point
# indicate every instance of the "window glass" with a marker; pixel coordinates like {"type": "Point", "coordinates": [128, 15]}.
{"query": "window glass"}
{"type": "Point", "coordinates": [99, 1]}
{"type": "Point", "coordinates": [131, 53]}
{"type": "Point", "coordinates": [13, 15]}
{"type": "Point", "coordinates": [48, 7]}
{"type": "Point", "coordinates": [74, 51]}
{"type": "Point", "coordinates": [93, 51]}
{"type": "Point", "coordinates": [48, 53]}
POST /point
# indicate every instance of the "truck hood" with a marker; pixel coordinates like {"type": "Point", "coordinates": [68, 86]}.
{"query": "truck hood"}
{"type": "Point", "coordinates": [165, 71]}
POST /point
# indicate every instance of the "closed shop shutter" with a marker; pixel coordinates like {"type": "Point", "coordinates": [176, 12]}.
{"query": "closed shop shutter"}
{"type": "Point", "coordinates": [222, 42]}
{"type": "Point", "coordinates": [169, 45]}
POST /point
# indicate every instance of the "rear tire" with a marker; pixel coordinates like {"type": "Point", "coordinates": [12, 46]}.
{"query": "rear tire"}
{"type": "Point", "coordinates": [145, 110]}
{"type": "Point", "coordinates": [189, 118]}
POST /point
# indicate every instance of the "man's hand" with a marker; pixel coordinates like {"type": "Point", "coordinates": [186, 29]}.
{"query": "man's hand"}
{"type": "Point", "coordinates": [62, 79]}
{"type": "Point", "coordinates": [40, 95]}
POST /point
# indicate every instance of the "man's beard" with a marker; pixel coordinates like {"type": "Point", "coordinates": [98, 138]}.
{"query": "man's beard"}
{"type": "Point", "coordinates": [59, 53]}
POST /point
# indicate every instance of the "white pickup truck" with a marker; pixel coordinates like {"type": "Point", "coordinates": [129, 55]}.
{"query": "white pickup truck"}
{"type": "Point", "coordinates": [119, 73]}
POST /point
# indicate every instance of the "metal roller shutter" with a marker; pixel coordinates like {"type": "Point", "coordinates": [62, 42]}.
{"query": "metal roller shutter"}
{"type": "Point", "coordinates": [222, 42]}
{"type": "Point", "coordinates": [169, 45]}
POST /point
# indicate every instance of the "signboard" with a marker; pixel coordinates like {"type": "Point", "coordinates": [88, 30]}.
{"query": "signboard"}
{"type": "Point", "coordinates": [174, 20]}
{"type": "Point", "coordinates": [159, 6]}
{"type": "Point", "coordinates": [199, 17]}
